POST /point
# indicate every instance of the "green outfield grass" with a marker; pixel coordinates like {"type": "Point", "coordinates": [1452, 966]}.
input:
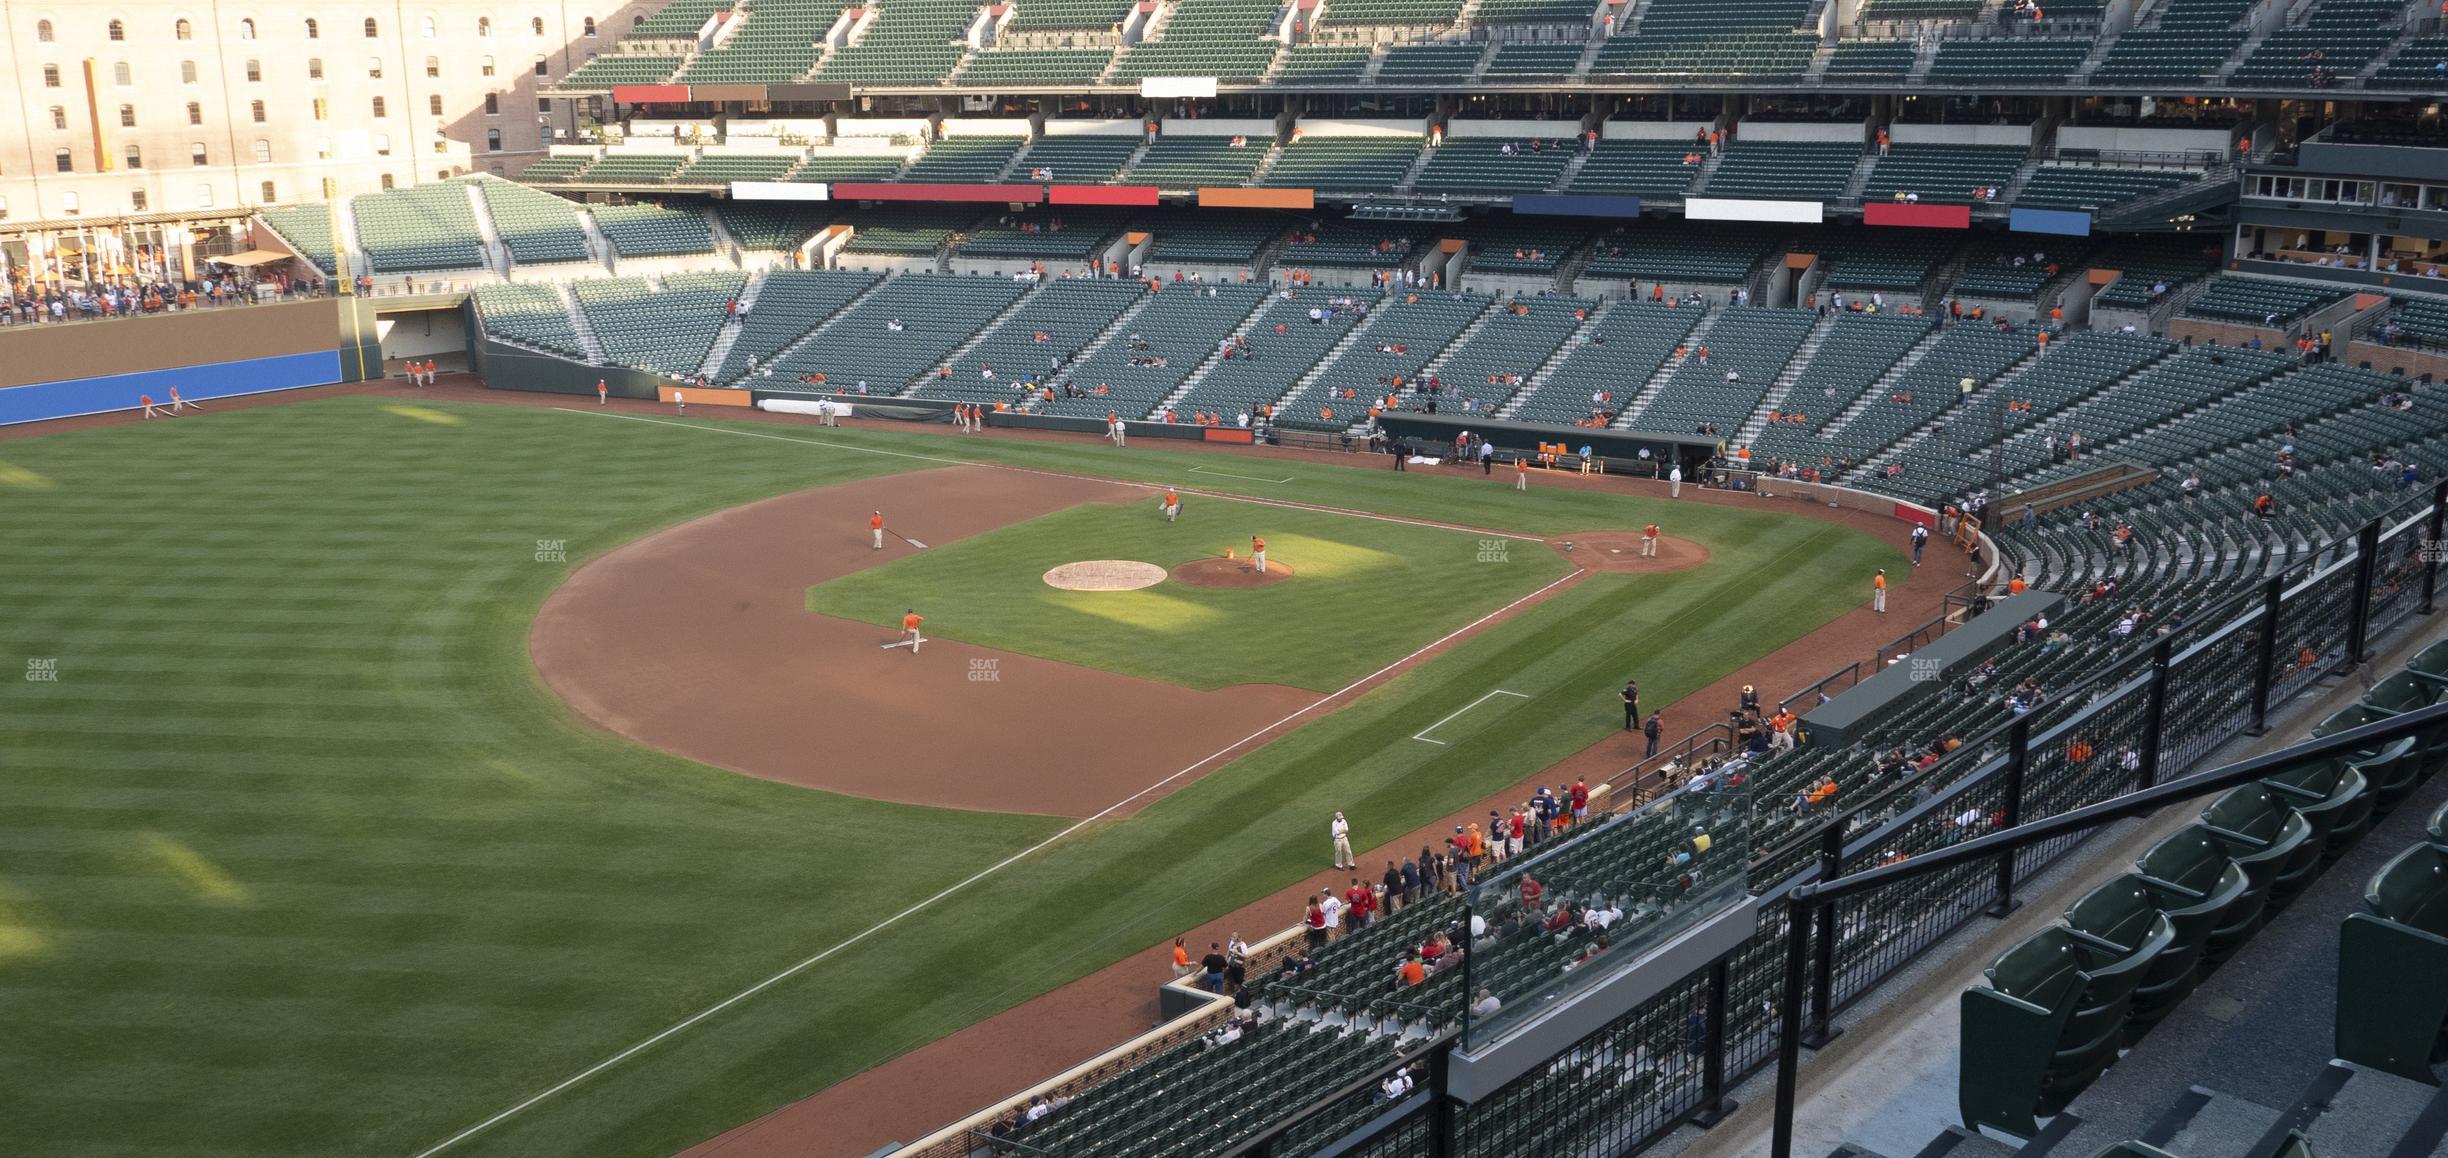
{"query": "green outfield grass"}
{"type": "Point", "coordinates": [299, 858]}
{"type": "Point", "coordinates": [1364, 592]}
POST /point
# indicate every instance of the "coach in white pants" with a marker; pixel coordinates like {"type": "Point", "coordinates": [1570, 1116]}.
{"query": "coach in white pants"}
{"type": "Point", "coordinates": [1674, 481]}
{"type": "Point", "coordinates": [1342, 843]}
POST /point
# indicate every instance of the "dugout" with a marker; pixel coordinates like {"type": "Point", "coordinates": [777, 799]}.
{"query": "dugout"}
{"type": "Point", "coordinates": [1846, 718]}
{"type": "Point", "coordinates": [1634, 452]}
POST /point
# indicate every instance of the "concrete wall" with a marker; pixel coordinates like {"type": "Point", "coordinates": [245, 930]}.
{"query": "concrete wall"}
{"type": "Point", "coordinates": [2122, 140]}
{"type": "Point", "coordinates": [1217, 127]}
{"type": "Point", "coordinates": [2399, 360]}
{"type": "Point", "coordinates": [1123, 127]}
{"type": "Point", "coordinates": [880, 127]}
{"type": "Point", "coordinates": [1359, 128]}
{"type": "Point", "coordinates": [1963, 134]}
{"type": "Point", "coordinates": [986, 126]}
{"type": "Point", "coordinates": [1783, 131]}
{"type": "Point", "coordinates": [1512, 130]}
{"type": "Point", "coordinates": [50, 353]}
{"type": "Point", "coordinates": [421, 333]}
{"type": "Point", "coordinates": [1652, 130]}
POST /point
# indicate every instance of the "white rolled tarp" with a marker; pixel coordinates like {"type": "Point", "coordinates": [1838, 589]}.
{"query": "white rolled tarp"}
{"type": "Point", "coordinates": [796, 406]}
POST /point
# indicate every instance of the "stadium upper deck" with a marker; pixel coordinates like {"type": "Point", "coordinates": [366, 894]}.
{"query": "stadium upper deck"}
{"type": "Point", "coordinates": [771, 49]}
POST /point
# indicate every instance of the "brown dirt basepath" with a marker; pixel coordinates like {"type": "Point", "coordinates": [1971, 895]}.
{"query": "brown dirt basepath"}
{"type": "Point", "coordinates": [695, 640]}
{"type": "Point", "coordinates": [1621, 551]}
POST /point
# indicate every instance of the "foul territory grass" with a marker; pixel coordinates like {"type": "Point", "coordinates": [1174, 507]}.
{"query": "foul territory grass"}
{"type": "Point", "coordinates": [1364, 592]}
{"type": "Point", "coordinates": [299, 858]}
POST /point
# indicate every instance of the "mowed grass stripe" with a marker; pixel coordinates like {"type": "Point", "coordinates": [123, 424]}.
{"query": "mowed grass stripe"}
{"type": "Point", "coordinates": [440, 524]}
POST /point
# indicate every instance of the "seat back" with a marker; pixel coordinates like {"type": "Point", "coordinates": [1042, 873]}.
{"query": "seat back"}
{"type": "Point", "coordinates": [2404, 692]}
{"type": "Point", "coordinates": [2117, 914]}
{"type": "Point", "coordinates": [2412, 890]}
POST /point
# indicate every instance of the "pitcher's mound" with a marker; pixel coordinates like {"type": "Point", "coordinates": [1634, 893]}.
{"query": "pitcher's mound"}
{"type": "Point", "coordinates": [1229, 573]}
{"type": "Point", "coordinates": [1621, 551]}
{"type": "Point", "coordinates": [1105, 575]}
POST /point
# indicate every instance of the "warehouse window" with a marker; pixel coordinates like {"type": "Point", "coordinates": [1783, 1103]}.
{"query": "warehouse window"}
{"type": "Point", "coordinates": [187, 72]}
{"type": "Point", "coordinates": [382, 108]}
{"type": "Point", "coordinates": [256, 110]}
{"type": "Point", "coordinates": [42, 31]}
{"type": "Point", "coordinates": [196, 155]}
{"type": "Point", "coordinates": [263, 151]}
{"type": "Point", "coordinates": [63, 160]}
{"type": "Point", "coordinates": [127, 116]}
{"type": "Point", "coordinates": [373, 29]}
{"type": "Point", "coordinates": [195, 113]}
{"type": "Point", "coordinates": [59, 116]}
{"type": "Point", "coordinates": [314, 31]}
{"type": "Point", "coordinates": [118, 30]}
{"type": "Point", "coordinates": [183, 30]}
{"type": "Point", "coordinates": [135, 157]}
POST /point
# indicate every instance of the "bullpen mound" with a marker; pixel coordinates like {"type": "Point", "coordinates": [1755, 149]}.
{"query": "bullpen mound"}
{"type": "Point", "coordinates": [1105, 575]}
{"type": "Point", "coordinates": [1229, 573]}
{"type": "Point", "coordinates": [1621, 551]}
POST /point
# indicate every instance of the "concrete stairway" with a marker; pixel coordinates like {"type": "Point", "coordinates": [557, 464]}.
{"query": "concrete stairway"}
{"type": "Point", "coordinates": [952, 360]}
{"type": "Point", "coordinates": [730, 332]}
{"type": "Point", "coordinates": [1656, 384]}
{"type": "Point", "coordinates": [578, 322]}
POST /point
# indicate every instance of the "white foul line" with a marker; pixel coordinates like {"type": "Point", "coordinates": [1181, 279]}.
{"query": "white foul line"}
{"type": "Point", "coordinates": [1287, 503]}
{"type": "Point", "coordinates": [1229, 474]}
{"type": "Point", "coordinates": [1422, 734]}
{"type": "Point", "coordinates": [981, 874]}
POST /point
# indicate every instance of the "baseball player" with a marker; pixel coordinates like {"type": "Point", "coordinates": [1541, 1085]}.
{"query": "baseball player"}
{"type": "Point", "coordinates": [681, 397]}
{"type": "Point", "coordinates": [1113, 427]}
{"type": "Point", "coordinates": [1521, 473]}
{"type": "Point", "coordinates": [1674, 481]}
{"type": "Point", "coordinates": [1172, 505]}
{"type": "Point", "coordinates": [1649, 538]}
{"type": "Point", "coordinates": [1878, 592]}
{"type": "Point", "coordinates": [603, 392]}
{"type": "Point", "coordinates": [1258, 554]}
{"type": "Point", "coordinates": [1342, 843]}
{"type": "Point", "coordinates": [909, 629]}
{"type": "Point", "coordinates": [875, 524]}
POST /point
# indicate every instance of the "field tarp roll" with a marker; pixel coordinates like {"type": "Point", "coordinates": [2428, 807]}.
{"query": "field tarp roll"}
{"type": "Point", "coordinates": [862, 407]}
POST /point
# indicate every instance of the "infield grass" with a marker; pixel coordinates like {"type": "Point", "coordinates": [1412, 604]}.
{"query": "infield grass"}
{"type": "Point", "coordinates": [299, 858]}
{"type": "Point", "coordinates": [1363, 592]}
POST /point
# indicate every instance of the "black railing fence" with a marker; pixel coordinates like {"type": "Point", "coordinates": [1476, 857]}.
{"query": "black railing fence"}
{"type": "Point", "coordinates": [2134, 726]}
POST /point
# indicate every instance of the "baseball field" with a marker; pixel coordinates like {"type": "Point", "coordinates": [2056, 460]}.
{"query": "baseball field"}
{"type": "Point", "coordinates": [397, 776]}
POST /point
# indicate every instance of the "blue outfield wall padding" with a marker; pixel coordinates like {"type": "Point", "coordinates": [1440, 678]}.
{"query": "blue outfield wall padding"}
{"type": "Point", "coordinates": [2067, 222]}
{"type": "Point", "coordinates": [1554, 205]}
{"type": "Point", "coordinates": [47, 400]}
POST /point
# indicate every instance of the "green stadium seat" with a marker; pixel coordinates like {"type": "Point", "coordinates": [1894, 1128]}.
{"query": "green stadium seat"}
{"type": "Point", "coordinates": [2115, 920]}
{"type": "Point", "coordinates": [2193, 881]}
{"type": "Point", "coordinates": [1483, 165]}
{"type": "Point", "coordinates": [778, 42]}
{"type": "Point", "coordinates": [1360, 164]}
{"type": "Point", "coordinates": [1087, 158]}
{"type": "Point", "coordinates": [532, 314]}
{"type": "Point", "coordinates": [307, 229]}
{"type": "Point", "coordinates": [651, 230]}
{"type": "Point", "coordinates": [428, 227]}
{"type": "Point", "coordinates": [1942, 174]}
{"type": "Point", "coordinates": [604, 72]}
{"type": "Point", "coordinates": [2333, 796]}
{"type": "Point", "coordinates": [1785, 170]}
{"type": "Point", "coordinates": [534, 227]}
{"type": "Point", "coordinates": [965, 160]}
{"type": "Point", "coordinates": [2266, 836]}
{"type": "Point", "coordinates": [1194, 162]}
